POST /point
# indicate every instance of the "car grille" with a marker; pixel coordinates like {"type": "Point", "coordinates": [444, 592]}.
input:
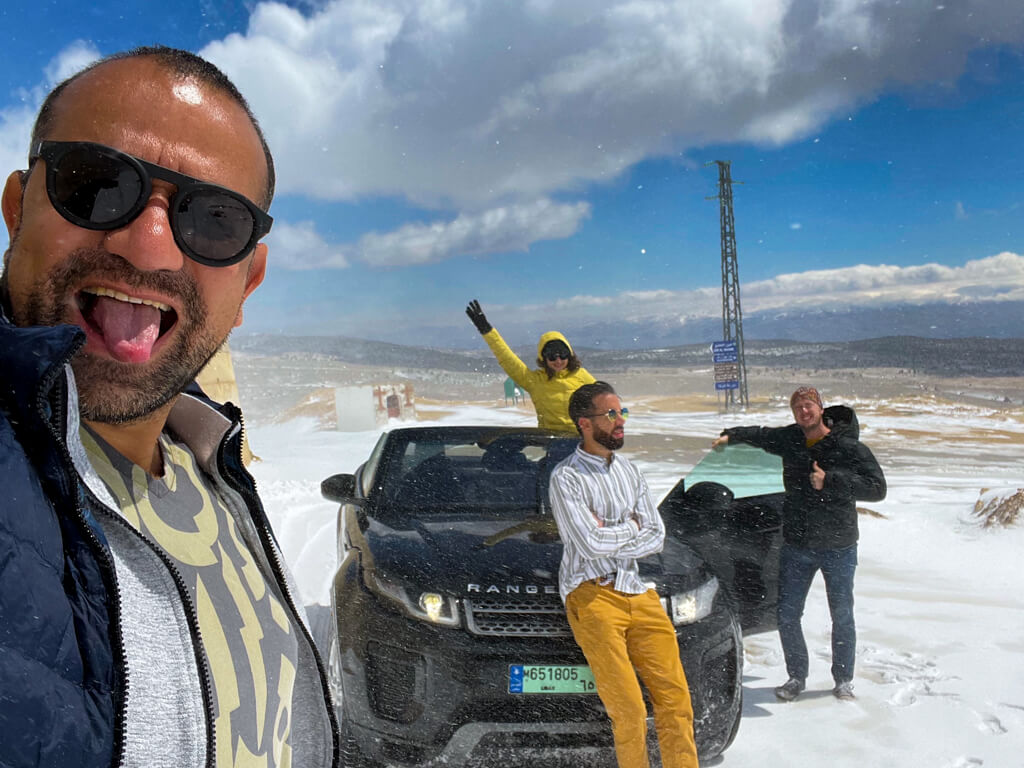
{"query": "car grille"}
{"type": "Point", "coordinates": [512, 617]}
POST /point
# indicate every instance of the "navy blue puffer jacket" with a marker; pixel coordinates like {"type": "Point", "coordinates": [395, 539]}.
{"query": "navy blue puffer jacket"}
{"type": "Point", "coordinates": [60, 666]}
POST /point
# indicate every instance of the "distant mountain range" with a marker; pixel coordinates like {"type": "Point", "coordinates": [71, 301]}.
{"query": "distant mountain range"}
{"type": "Point", "coordinates": [643, 330]}
{"type": "Point", "coordinates": [990, 319]}
{"type": "Point", "coordinates": [935, 356]}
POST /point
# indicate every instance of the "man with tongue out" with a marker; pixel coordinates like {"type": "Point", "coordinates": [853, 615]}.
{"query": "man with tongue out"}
{"type": "Point", "coordinates": [145, 612]}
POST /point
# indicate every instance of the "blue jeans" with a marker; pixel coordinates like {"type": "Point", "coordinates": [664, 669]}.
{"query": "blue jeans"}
{"type": "Point", "coordinates": [797, 567]}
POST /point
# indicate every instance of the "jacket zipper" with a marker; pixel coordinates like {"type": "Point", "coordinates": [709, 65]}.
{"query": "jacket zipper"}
{"type": "Point", "coordinates": [251, 498]}
{"type": "Point", "coordinates": [190, 616]}
{"type": "Point", "coordinates": [105, 560]}
{"type": "Point", "coordinates": [109, 570]}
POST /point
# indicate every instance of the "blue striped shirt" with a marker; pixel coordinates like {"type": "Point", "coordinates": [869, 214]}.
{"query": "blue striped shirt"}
{"type": "Point", "coordinates": [606, 519]}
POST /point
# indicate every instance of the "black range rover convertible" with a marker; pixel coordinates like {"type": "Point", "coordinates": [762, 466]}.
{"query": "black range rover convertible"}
{"type": "Point", "coordinates": [451, 643]}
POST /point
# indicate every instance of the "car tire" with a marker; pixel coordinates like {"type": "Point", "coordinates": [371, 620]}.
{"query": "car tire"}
{"type": "Point", "coordinates": [735, 725]}
{"type": "Point", "coordinates": [714, 744]}
{"type": "Point", "coordinates": [738, 634]}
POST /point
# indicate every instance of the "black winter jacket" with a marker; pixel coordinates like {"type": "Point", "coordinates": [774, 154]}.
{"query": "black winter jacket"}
{"type": "Point", "coordinates": [63, 679]}
{"type": "Point", "coordinates": [60, 679]}
{"type": "Point", "coordinates": [825, 519]}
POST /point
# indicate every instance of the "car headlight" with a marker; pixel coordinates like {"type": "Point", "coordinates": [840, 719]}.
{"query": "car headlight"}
{"type": "Point", "coordinates": [432, 607]}
{"type": "Point", "coordinates": [688, 607]}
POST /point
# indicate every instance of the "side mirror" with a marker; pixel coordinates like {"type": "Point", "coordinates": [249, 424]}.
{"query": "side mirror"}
{"type": "Point", "coordinates": [339, 488]}
{"type": "Point", "coordinates": [698, 509]}
{"type": "Point", "coordinates": [710, 496]}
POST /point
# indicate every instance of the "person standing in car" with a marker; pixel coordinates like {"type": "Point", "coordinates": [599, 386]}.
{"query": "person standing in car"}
{"type": "Point", "coordinates": [558, 373]}
{"type": "Point", "coordinates": [607, 521]}
{"type": "Point", "coordinates": [826, 470]}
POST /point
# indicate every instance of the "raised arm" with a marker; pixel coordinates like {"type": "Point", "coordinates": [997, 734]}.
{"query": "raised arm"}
{"type": "Point", "coordinates": [771, 439]}
{"type": "Point", "coordinates": [507, 359]}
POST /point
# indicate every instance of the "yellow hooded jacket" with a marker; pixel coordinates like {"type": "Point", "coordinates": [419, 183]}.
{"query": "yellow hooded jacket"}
{"type": "Point", "coordinates": [550, 396]}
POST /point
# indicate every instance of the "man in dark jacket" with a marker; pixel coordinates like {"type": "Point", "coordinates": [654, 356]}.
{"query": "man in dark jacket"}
{"type": "Point", "coordinates": [145, 612]}
{"type": "Point", "coordinates": [826, 469]}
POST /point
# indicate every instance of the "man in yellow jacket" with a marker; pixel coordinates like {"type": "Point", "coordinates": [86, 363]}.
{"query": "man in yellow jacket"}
{"type": "Point", "coordinates": [558, 373]}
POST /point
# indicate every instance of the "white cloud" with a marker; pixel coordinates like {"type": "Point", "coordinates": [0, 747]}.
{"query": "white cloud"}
{"type": "Point", "coordinates": [502, 229]}
{"type": "Point", "coordinates": [468, 105]}
{"type": "Point", "coordinates": [16, 120]}
{"type": "Point", "coordinates": [477, 107]}
{"type": "Point", "coordinates": [994, 278]}
{"type": "Point", "coordinates": [878, 285]}
{"type": "Point", "coordinates": [15, 128]}
{"type": "Point", "coordinates": [69, 60]}
{"type": "Point", "coordinates": [300, 246]}
{"type": "Point", "coordinates": [498, 230]}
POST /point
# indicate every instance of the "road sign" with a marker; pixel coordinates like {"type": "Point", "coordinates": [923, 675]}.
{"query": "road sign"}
{"type": "Point", "coordinates": [724, 352]}
{"type": "Point", "coordinates": [725, 357]}
{"type": "Point", "coordinates": [727, 371]}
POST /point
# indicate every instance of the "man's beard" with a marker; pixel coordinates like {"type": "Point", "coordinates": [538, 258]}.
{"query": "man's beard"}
{"type": "Point", "coordinates": [607, 440]}
{"type": "Point", "coordinates": [111, 391]}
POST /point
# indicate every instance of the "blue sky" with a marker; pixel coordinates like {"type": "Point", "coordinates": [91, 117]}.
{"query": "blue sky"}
{"type": "Point", "coordinates": [549, 158]}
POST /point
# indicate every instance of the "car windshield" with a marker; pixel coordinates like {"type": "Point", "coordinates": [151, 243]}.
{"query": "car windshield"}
{"type": "Point", "coordinates": [482, 470]}
{"type": "Point", "coordinates": [745, 470]}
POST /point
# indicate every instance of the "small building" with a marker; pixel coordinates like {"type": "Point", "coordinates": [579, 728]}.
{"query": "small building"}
{"type": "Point", "coordinates": [367, 407]}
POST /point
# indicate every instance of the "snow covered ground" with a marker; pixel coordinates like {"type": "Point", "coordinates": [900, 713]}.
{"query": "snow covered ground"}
{"type": "Point", "coordinates": [940, 600]}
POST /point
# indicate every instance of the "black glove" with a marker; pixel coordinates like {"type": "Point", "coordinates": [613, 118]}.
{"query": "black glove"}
{"type": "Point", "coordinates": [477, 316]}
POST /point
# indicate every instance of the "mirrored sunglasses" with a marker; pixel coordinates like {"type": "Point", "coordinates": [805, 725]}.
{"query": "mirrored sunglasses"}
{"type": "Point", "coordinates": [101, 188]}
{"type": "Point", "coordinates": [611, 414]}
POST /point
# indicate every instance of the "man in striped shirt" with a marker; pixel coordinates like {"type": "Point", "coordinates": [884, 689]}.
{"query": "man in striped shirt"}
{"type": "Point", "coordinates": [607, 520]}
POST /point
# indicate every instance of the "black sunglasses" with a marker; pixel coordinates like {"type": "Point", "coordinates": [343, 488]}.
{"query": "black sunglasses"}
{"type": "Point", "coordinates": [101, 188]}
{"type": "Point", "coordinates": [556, 355]}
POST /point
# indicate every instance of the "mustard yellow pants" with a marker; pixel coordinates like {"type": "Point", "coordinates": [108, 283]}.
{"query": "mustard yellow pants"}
{"type": "Point", "coordinates": [622, 636]}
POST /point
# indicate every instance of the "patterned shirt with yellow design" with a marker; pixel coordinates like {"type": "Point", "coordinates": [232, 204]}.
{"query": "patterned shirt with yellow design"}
{"type": "Point", "coordinates": [250, 649]}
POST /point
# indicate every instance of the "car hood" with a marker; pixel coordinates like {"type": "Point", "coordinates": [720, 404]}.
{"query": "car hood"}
{"type": "Point", "coordinates": [449, 555]}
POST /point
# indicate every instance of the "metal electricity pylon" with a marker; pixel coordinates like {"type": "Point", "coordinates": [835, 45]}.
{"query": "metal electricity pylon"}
{"type": "Point", "coordinates": [732, 313]}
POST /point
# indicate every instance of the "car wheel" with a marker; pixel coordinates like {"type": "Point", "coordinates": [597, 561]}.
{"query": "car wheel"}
{"type": "Point", "coordinates": [713, 744]}
{"type": "Point", "coordinates": [735, 724]}
{"type": "Point", "coordinates": [738, 635]}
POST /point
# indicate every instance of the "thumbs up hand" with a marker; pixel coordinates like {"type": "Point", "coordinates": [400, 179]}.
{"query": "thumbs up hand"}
{"type": "Point", "coordinates": [818, 477]}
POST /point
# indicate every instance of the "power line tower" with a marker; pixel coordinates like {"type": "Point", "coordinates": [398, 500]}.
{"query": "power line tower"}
{"type": "Point", "coordinates": [732, 314]}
